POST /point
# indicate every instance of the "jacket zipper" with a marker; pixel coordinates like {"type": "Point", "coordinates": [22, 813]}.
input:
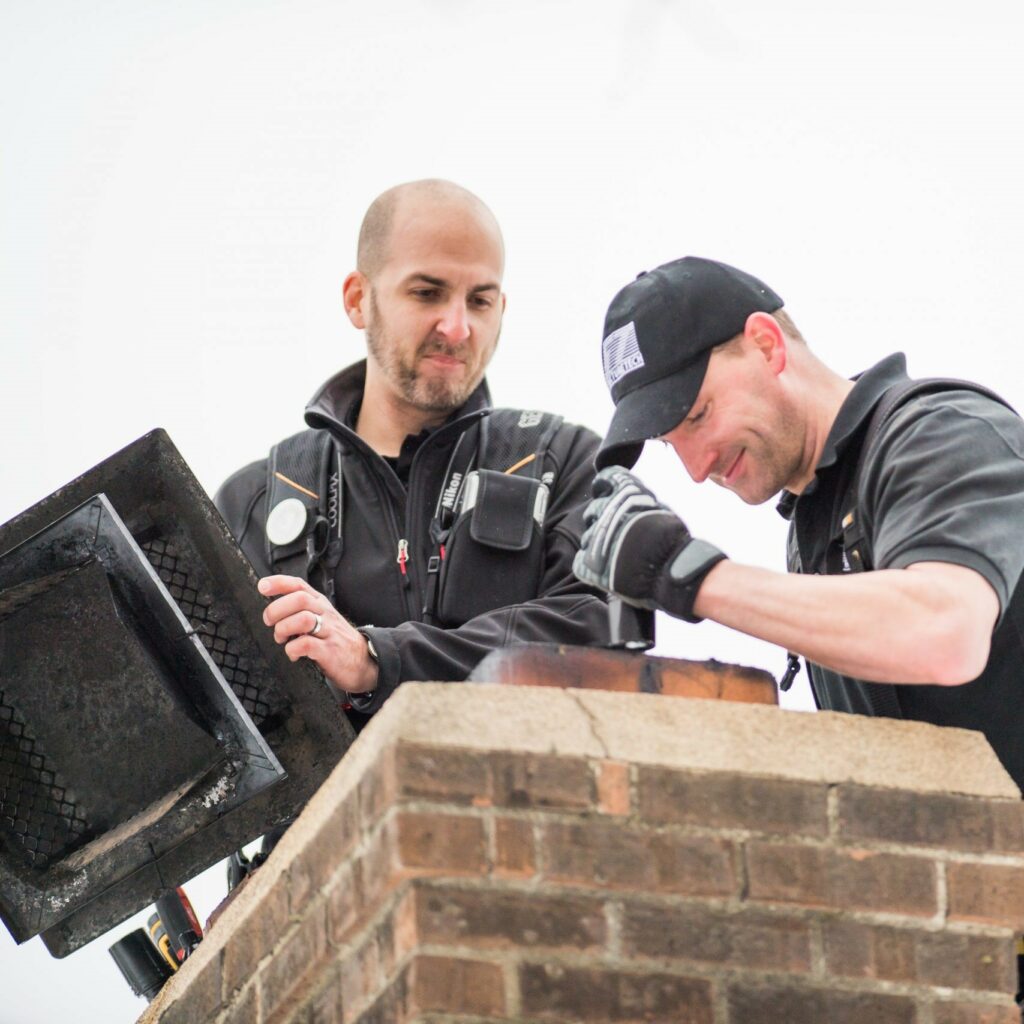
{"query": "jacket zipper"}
{"type": "Point", "coordinates": [347, 435]}
{"type": "Point", "coordinates": [404, 579]}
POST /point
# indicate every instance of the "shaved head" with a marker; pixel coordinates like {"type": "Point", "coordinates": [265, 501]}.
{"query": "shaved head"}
{"type": "Point", "coordinates": [375, 233]}
{"type": "Point", "coordinates": [427, 293]}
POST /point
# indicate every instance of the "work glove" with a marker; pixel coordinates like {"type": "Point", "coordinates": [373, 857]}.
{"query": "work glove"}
{"type": "Point", "coordinates": [637, 549]}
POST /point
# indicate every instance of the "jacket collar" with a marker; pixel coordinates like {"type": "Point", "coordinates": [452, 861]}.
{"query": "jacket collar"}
{"type": "Point", "coordinates": [868, 388]}
{"type": "Point", "coordinates": [335, 405]}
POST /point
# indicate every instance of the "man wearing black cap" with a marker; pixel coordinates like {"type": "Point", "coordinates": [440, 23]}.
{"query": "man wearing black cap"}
{"type": "Point", "coordinates": [921, 483]}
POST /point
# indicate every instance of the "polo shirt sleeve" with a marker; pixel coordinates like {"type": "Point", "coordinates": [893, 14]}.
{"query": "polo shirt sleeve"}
{"type": "Point", "coordinates": [945, 483]}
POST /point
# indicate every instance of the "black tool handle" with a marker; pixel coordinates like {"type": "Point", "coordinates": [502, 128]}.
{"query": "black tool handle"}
{"type": "Point", "coordinates": [179, 922]}
{"type": "Point", "coordinates": [141, 963]}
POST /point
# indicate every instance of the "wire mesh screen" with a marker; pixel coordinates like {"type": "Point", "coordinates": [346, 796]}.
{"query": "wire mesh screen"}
{"type": "Point", "coordinates": [222, 649]}
{"type": "Point", "coordinates": [38, 810]}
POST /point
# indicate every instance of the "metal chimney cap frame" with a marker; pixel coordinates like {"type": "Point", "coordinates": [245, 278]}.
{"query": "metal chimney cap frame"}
{"type": "Point", "coordinates": [149, 725]}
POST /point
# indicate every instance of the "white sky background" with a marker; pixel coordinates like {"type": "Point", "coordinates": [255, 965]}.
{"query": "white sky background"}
{"type": "Point", "coordinates": [181, 186]}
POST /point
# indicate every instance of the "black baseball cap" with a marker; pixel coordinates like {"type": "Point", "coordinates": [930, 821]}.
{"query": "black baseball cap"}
{"type": "Point", "coordinates": [658, 336]}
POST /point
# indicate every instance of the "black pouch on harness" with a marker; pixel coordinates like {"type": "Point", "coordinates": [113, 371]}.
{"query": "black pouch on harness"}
{"type": "Point", "coordinates": [494, 550]}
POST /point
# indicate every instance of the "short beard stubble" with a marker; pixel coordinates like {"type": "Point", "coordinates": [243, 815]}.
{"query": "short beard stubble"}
{"type": "Point", "coordinates": [427, 393]}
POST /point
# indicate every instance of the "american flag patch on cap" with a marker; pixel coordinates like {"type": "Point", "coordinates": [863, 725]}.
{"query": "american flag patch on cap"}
{"type": "Point", "coordinates": [620, 354]}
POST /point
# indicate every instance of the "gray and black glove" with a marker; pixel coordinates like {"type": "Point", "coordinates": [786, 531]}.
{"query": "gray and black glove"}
{"type": "Point", "coordinates": [639, 550]}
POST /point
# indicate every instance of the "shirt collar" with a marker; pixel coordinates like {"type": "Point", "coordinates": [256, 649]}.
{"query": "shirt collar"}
{"type": "Point", "coordinates": [868, 388]}
{"type": "Point", "coordinates": [337, 401]}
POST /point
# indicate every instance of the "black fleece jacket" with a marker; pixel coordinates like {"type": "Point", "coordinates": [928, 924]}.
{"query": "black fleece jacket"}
{"type": "Point", "coordinates": [374, 590]}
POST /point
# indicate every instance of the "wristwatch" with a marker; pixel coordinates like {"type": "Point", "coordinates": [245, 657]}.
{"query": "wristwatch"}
{"type": "Point", "coordinates": [371, 650]}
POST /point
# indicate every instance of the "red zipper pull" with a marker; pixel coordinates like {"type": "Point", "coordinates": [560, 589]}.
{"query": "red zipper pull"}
{"type": "Point", "coordinates": [403, 555]}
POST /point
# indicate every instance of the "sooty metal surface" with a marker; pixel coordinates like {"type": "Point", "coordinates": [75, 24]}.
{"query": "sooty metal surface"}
{"type": "Point", "coordinates": [148, 723]}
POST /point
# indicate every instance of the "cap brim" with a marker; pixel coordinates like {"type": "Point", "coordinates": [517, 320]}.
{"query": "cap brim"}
{"type": "Point", "coordinates": [651, 411]}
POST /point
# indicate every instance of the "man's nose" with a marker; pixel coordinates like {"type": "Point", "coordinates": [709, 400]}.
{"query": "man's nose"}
{"type": "Point", "coordinates": [454, 322]}
{"type": "Point", "coordinates": [698, 459]}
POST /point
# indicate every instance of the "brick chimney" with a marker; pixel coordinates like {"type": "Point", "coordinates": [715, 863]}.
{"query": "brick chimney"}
{"type": "Point", "coordinates": [490, 853]}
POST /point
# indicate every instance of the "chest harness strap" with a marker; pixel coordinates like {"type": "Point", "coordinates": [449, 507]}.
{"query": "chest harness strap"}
{"type": "Point", "coordinates": [306, 468]}
{"type": "Point", "coordinates": [325, 540]}
{"type": "Point", "coordinates": [449, 500]}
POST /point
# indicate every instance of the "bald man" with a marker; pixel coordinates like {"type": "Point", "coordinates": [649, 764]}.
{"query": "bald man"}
{"type": "Point", "coordinates": [414, 529]}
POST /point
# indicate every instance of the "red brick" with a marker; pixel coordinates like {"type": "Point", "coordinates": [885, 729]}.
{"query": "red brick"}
{"type": "Point", "coordinates": [360, 979]}
{"type": "Point", "coordinates": [441, 842]}
{"type": "Point", "coordinates": [979, 962]}
{"type": "Point", "coordinates": [931, 819]}
{"type": "Point", "coordinates": [747, 939]}
{"type": "Point", "coordinates": [755, 1003]}
{"type": "Point", "coordinates": [391, 1006]}
{"type": "Point", "coordinates": [255, 936]}
{"type": "Point", "coordinates": [301, 952]}
{"type": "Point", "coordinates": [377, 790]}
{"type": "Point", "coordinates": [447, 1018]}
{"type": "Point", "coordinates": [364, 971]}
{"type": "Point", "coordinates": [614, 855]}
{"type": "Point", "coordinates": [613, 795]}
{"type": "Point", "coordinates": [917, 956]}
{"type": "Point", "coordinates": [197, 992]}
{"type": "Point", "coordinates": [976, 1013]}
{"type": "Point", "coordinates": [515, 780]}
{"type": "Point", "coordinates": [592, 995]}
{"type": "Point", "coordinates": [404, 929]}
{"type": "Point", "coordinates": [379, 866]}
{"type": "Point", "coordinates": [539, 781]}
{"type": "Point", "coordinates": [245, 1009]}
{"type": "Point", "coordinates": [325, 1005]}
{"type": "Point", "coordinates": [449, 776]}
{"type": "Point", "coordinates": [854, 950]}
{"type": "Point", "coordinates": [726, 800]}
{"type": "Point", "coordinates": [297, 1007]}
{"type": "Point", "coordinates": [345, 902]}
{"type": "Point", "coordinates": [320, 857]}
{"type": "Point", "coordinates": [457, 986]}
{"type": "Point", "coordinates": [989, 893]}
{"type": "Point", "coordinates": [852, 879]}
{"type": "Point", "coordinates": [514, 853]}
{"type": "Point", "coordinates": [489, 918]}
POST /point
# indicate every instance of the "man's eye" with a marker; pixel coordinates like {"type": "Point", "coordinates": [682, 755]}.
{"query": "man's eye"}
{"type": "Point", "coordinates": [482, 301]}
{"type": "Point", "coordinates": [698, 416]}
{"type": "Point", "coordinates": [425, 293]}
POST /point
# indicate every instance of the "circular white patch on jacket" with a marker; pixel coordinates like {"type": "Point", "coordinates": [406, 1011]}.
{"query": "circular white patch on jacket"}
{"type": "Point", "coordinates": [286, 521]}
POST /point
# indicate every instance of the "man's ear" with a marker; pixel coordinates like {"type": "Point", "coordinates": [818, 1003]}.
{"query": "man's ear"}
{"type": "Point", "coordinates": [355, 291]}
{"type": "Point", "coordinates": [763, 332]}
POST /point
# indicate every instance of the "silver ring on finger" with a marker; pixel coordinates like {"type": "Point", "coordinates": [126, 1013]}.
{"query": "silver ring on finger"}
{"type": "Point", "coordinates": [316, 625]}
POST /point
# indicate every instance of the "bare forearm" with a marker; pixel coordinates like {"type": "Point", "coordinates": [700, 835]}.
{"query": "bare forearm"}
{"type": "Point", "coordinates": [902, 625]}
{"type": "Point", "coordinates": [931, 622]}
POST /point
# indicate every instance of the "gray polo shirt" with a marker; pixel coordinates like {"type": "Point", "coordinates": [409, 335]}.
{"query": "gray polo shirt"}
{"type": "Point", "coordinates": [944, 482]}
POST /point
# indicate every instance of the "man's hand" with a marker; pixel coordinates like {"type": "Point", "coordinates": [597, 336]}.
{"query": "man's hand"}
{"type": "Point", "coordinates": [339, 649]}
{"type": "Point", "coordinates": [636, 548]}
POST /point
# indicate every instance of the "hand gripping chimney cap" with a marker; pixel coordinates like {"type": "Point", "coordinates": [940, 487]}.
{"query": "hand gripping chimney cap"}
{"type": "Point", "coordinates": [658, 336]}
